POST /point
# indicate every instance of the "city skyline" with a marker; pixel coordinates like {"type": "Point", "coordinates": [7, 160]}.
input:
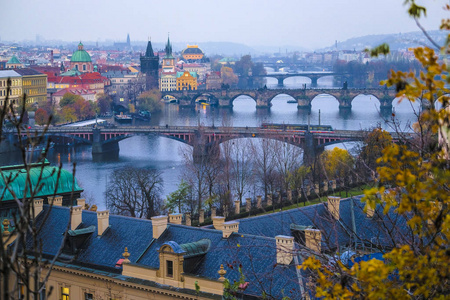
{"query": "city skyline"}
{"type": "Point", "coordinates": [293, 23]}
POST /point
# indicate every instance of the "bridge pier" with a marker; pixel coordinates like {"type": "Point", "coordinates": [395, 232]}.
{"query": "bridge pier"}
{"type": "Point", "coordinates": [386, 103]}
{"type": "Point", "coordinates": [225, 102]}
{"type": "Point", "coordinates": [203, 151]}
{"type": "Point", "coordinates": [314, 81]}
{"type": "Point", "coordinates": [303, 103]}
{"type": "Point", "coordinates": [101, 147]}
{"type": "Point", "coordinates": [280, 81]}
{"type": "Point", "coordinates": [262, 103]}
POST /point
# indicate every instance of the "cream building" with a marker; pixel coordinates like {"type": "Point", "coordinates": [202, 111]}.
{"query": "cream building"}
{"type": "Point", "coordinates": [15, 93]}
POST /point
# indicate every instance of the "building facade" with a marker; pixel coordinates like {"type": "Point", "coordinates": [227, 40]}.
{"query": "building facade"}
{"type": "Point", "coordinates": [186, 81]}
{"type": "Point", "coordinates": [15, 93]}
{"type": "Point", "coordinates": [192, 53]}
{"type": "Point", "coordinates": [34, 85]}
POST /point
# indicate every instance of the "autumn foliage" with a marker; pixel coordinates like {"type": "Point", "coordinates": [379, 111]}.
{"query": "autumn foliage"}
{"type": "Point", "coordinates": [414, 184]}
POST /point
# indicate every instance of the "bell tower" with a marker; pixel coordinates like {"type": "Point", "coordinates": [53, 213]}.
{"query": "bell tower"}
{"type": "Point", "coordinates": [149, 66]}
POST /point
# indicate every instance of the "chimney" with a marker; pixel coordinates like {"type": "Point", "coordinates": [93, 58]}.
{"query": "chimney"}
{"type": "Point", "coordinates": [285, 249]}
{"type": "Point", "coordinates": [333, 206]}
{"type": "Point", "coordinates": [102, 221]}
{"type": "Point", "coordinates": [55, 200]}
{"type": "Point", "coordinates": [75, 216]}
{"type": "Point", "coordinates": [218, 222]}
{"type": "Point", "coordinates": [175, 218]}
{"type": "Point", "coordinates": [248, 204]}
{"type": "Point", "coordinates": [237, 207]}
{"type": "Point", "coordinates": [229, 228]}
{"type": "Point", "coordinates": [369, 210]}
{"type": "Point", "coordinates": [159, 224]}
{"type": "Point", "coordinates": [213, 212]}
{"type": "Point", "coordinates": [188, 219]}
{"type": "Point", "coordinates": [38, 204]}
{"type": "Point", "coordinates": [258, 201]}
{"type": "Point", "coordinates": [201, 217]}
{"type": "Point", "coordinates": [81, 202]}
{"type": "Point", "coordinates": [269, 199]}
{"type": "Point", "coordinates": [313, 239]}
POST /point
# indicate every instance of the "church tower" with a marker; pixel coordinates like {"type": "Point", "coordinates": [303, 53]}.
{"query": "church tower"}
{"type": "Point", "coordinates": [149, 66]}
{"type": "Point", "coordinates": [168, 59]}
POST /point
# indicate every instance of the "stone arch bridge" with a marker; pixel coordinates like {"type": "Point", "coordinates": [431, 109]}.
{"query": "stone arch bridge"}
{"type": "Point", "coordinates": [264, 97]}
{"type": "Point", "coordinates": [203, 139]}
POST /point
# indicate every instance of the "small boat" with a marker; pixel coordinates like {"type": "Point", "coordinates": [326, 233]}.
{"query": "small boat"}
{"type": "Point", "coordinates": [292, 101]}
{"type": "Point", "coordinates": [123, 119]}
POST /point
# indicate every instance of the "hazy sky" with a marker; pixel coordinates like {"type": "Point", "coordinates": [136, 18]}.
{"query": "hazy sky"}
{"type": "Point", "coordinates": [304, 23]}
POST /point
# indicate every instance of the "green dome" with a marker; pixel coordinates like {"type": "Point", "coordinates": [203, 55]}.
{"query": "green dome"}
{"type": "Point", "coordinates": [80, 55]}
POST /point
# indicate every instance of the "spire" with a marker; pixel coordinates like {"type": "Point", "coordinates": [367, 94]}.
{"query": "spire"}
{"type": "Point", "coordinates": [168, 47]}
{"type": "Point", "coordinates": [128, 39]}
{"type": "Point", "coordinates": [80, 46]}
{"type": "Point", "coordinates": [149, 52]}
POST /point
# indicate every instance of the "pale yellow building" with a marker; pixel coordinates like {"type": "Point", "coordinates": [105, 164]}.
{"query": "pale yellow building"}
{"type": "Point", "coordinates": [15, 93]}
{"type": "Point", "coordinates": [186, 81]}
{"type": "Point", "coordinates": [34, 85]}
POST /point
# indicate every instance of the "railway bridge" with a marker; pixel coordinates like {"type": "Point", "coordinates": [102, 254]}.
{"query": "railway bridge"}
{"type": "Point", "coordinates": [203, 139]}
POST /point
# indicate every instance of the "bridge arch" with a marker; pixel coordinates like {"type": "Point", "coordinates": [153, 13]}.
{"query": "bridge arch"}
{"type": "Point", "coordinates": [280, 94]}
{"type": "Point", "coordinates": [213, 99]}
{"type": "Point", "coordinates": [373, 99]}
{"type": "Point", "coordinates": [318, 94]}
{"type": "Point", "coordinates": [234, 97]}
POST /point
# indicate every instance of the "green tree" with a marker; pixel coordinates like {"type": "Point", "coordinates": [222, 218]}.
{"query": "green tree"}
{"type": "Point", "coordinates": [180, 198]}
{"type": "Point", "coordinates": [416, 267]}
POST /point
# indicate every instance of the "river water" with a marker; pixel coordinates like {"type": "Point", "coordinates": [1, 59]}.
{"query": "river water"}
{"type": "Point", "coordinates": [163, 154]}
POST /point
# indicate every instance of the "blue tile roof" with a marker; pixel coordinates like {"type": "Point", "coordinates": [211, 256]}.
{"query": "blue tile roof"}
{"type": "Point", "coordinates": [253, 248]}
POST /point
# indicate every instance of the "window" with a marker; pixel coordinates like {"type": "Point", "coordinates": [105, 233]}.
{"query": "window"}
{"type": "Point", "coordinates": [65, 293]}
{"type": "Point", "coordinates": [88, 296]}
{"type": "Point", "coordinates": [43, 294]}
{"type": "Point", "coordinates": [21, 290]}
{"type": "Point", "coordinates": [169, 264]}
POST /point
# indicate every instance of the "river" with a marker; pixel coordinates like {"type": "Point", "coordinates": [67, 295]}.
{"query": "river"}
{"type": "Point", "coordinates": [163, 154]}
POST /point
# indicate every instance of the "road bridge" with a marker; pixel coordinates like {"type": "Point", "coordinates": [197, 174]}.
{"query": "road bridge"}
{"type": "Point", "coordinates": [202, 138]}
{"type": "Point", "coordinates": [314, 76]}
{"type": "Point", "coordinates": [264, 97]}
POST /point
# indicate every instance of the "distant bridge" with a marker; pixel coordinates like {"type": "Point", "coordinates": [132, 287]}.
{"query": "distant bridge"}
{"type": "Point", "coordinates": [264, 97]}
{"type": "Point", "coordinates": [314, 76]}
{"type": "Point", "coordinates": [203, 138]}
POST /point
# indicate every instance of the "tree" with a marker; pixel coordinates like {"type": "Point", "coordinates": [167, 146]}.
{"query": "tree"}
{"type": "Point", "coordinates": [415, 267]}
{"type": "Point", "coordinates": [241, 167]}
{"type": "Point", "coordinates": [41, 117]}
{"type": "Point", "coordinates": [134, 192]}
{"type": "Point", "coordinates": [180, 198]}
{"type": "Point", "coordinates": [374, 144]}
{"type": "Point", "coordinates": [338, 163]}
{"type": "Point", "coordinates": [150, 100]}
{"type": "Point", "coordinates": [228, 76]}
{"type": "Point", "coordinates": [24, 273]}
{"type": "Point", "coordinates": [69, 99]}
{"type": "Point", "coordinates": [104, 103]}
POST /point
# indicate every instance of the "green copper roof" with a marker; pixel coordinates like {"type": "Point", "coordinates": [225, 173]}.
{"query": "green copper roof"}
{"type": "Point", "coordinates": [80, 55]}
{"type": "Point", "coordinates": [13, 60]}
{"type": "Point", "coordinates": [196, 248]}
{"type": "Point", "coordinates": [49, 182]}
{"type": "Point", "coordinates": [72, 72]}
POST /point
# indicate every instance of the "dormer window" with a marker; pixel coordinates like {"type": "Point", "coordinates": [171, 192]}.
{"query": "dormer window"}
{"type": "Point", "coordinates": [169, 268]}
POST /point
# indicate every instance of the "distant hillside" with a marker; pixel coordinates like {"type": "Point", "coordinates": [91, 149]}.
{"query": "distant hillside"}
{"type": "Point", "coordinates": [395, 41]}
